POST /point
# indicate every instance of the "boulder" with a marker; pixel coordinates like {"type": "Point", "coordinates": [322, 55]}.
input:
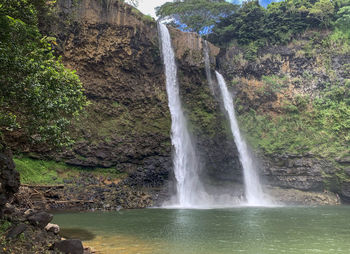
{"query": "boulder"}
{"type": "Point", "coordinates": [40, 219]}
{"type": "Point", "coordinates": [70, 246]}
{"type": "Point", "coordinates": [54, 228]}
{"type": "Point", "coordinates": [16, 231]}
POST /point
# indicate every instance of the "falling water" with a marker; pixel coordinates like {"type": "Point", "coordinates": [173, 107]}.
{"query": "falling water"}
{"type": "Point", "coordinates": [190, 192]}
{"type": "Point", "coordinates": [207, 66]}
{"type": "Point", "coordinates": [253, 190]}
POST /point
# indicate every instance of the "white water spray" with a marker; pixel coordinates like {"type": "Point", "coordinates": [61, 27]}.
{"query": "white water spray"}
{"type": "Point", "coordinates": [190, 192]}
{"type": "Point", "coordinates": [253, 190]}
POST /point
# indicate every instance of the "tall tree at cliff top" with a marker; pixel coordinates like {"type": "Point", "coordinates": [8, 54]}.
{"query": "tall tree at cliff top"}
{"type": "Point", "coordinates": [279, 23]}
{"type": "Point", "coordinates": [38, 95]}
{"type": "Point", "coordinates": [196, 15]}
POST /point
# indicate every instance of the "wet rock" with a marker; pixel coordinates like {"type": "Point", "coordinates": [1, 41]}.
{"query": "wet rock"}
{"type": "Point", "coordinates": [298, 197]}
{"type": "Point", "coordinates": [40, 219]}
{"type": "Point", "coordinates": [345, 191]}
{"type": "Point", "coordinates": [71, 246]}
{"type": "Point", "coordinates": [298, 172]}
{"type": "Point", "coordinates": [16, 231]}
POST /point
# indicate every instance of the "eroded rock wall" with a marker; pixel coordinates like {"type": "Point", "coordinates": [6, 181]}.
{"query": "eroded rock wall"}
{"type": "Point", "coordinates": [276, 79]}
{"type": "Point", "coordinates": [115, 51]}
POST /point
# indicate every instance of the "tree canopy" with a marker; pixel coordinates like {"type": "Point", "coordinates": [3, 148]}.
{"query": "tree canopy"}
{"type": "Point", "coordinates": [196, 15]}
{"type": "Point", "coordinates": [38, 95]}
{"type": "Point", "coordinates": [279, 22]}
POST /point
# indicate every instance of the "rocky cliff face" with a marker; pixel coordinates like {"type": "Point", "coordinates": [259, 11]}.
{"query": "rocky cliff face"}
{"type": "Point", "coordinates": [281, 86]}
{"type": "Point", "coordinates": [115, 51]}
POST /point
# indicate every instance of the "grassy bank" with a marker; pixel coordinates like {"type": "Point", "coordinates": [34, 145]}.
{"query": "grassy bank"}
{"type": "Point", "coordinates": [44, 172]}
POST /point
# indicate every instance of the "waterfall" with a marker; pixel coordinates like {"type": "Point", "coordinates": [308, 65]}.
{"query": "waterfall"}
{"type": "Point", "coordinates": [253, 189]}
{"type": "Point", "coordinates": [207, 65]}
{"type": "Point", "coordinates": [190, 192]}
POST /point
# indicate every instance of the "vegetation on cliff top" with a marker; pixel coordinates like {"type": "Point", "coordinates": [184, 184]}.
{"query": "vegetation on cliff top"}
{"type": "Point", "coordinates": [251, 24]}
{"type": "Point", "coordinates": [196, 15]}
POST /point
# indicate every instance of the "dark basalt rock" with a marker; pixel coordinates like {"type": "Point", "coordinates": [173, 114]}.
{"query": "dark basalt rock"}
{"type": "Point", "coordinates": [297, 172]}
{"type": "Point", "coordinates": [71, 246]}
{"type": "Point", "coordinates": [9, 177]}
{"type": "Point", "coordinates": [16, 231]}
{"type": "Point", "coordinates": [40, 219]}
{"type": "Point", "coordinates": [347, 171]}
{"type": "Point", "coordinates": [345, 192]}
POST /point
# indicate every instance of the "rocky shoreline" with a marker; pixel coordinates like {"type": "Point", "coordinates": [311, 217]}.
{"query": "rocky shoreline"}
{"type": "Point", "coordinates": [30, 231]}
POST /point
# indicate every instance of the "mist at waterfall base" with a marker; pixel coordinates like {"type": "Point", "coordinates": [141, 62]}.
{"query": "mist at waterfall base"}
{"type": "Point", "coordinates": [191, 190]}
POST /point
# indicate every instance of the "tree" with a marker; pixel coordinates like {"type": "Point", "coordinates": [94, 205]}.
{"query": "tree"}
{"type": "Point", "coordinates": [343, 21]}
{"type": "Point", "coordinates": [323, 11]}
{"type": "Point", "coordinates": [196, 15]}
{"type": "Point", "coordinates": [38, 95]}
{"type": "Point", "coordinates": [246, 25]}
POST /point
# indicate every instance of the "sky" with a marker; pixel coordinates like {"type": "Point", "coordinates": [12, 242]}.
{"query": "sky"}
{"type": "Point", "coordinates": [147, 6]}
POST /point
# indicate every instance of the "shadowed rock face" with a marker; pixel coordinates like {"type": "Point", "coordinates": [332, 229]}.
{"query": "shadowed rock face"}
{"type": "Point", "coordinates": [9, 177]}
{"type": "Point", "coordinates": [116, 55]}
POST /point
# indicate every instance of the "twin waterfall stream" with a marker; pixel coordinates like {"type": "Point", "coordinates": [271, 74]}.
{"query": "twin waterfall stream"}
{"type": "Point", "coordinates": [190, 190]}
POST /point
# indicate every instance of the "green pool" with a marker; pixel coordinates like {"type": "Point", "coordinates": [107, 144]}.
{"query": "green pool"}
{"type": "Point", "coordinates": [238, 230]}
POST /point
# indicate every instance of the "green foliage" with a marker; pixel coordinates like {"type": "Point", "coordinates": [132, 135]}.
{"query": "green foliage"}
{"type": "Point", "coordinates": [323, 10]}
{"type": "Point", "coordinates": [343, 20]}
{"type": "Point", "coordinates": [37, 171]}
{"type": "Point", "coordinates": [279, 23]}
{"type": "Point", "coordinates": [195, 15]}
{"type": "Point", "coordinates": [46, 172]}
{"type": "Point", "coordinates": [38, 95]}
{"type": "Point", "coordinates": [245, 25]}
{"type": "Point", "coordinates": [4, 226]}
{"type": "Point", "coordinates": [320, 126]}
{"type": "Point", "coordinates": [273, 84]}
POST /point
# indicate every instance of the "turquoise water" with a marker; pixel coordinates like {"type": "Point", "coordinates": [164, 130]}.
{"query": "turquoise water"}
{"type": "Point", "coordinates": [239, 230]}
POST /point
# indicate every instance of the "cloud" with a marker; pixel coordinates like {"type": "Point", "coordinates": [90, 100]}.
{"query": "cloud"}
{"type": "Point", "coordinates": [147, 6]}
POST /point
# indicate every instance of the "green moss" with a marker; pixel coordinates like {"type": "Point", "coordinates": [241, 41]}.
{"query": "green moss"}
{"type": "Point", "coordinates": [45, 172]}
{"type": "Point", "coordinates": [37, 171]}
{"type": "Point", "coordinates": [4, 226]}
